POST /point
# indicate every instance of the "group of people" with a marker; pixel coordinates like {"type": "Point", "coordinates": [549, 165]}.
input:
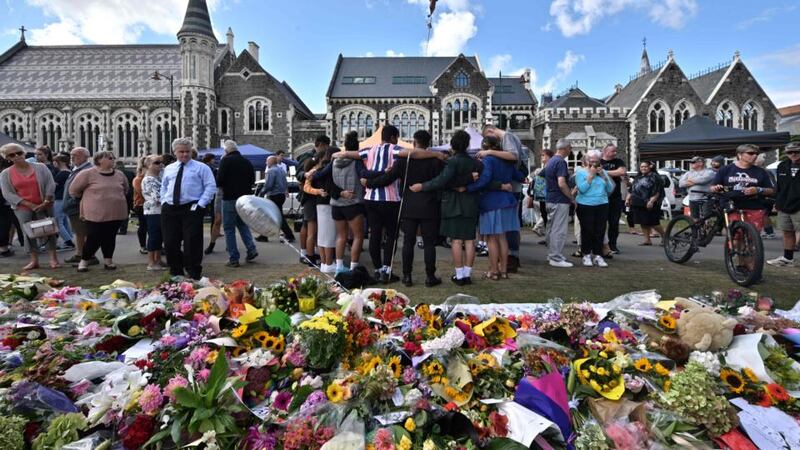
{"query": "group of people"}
{"type": "Point", "coordinates": [431, 196]}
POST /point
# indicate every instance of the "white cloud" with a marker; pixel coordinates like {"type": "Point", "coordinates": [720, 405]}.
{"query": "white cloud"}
{"type": "Point", "coordinates": [107, 21]}
{"type": "Point", "coordinates": [453, 25]}
{"type": "Point", "coordinates": [765, 16]}
{"type": "Point", "coordinates": [784, 58]}
{"type": "Point", "coordinates": [564, 67]}
{"type": "Point", "coordinates": [391, 52]}
{"type": "Point", "coordinates": [782, 98]}
{"type": "Point", "coordinates": [574, 17]}
{"type": "Point", "coordinates": [498, 63]}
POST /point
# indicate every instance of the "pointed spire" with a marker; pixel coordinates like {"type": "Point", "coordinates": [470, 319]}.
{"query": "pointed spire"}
{"type": "Point", "coordinates": [197, 19]}
{"type": "Point", "coordinates": [644, 65]}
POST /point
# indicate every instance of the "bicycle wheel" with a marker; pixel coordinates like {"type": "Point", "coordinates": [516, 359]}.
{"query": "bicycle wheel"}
{"type": "Point", "coordinates": [744, 253]}
{"type": "Point", "coordinates": [708, 230]}
{"type": "Point", "coordinates": [679, 243]}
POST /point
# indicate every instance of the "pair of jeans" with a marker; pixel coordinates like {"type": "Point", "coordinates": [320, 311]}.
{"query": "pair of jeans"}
{"type": "Point", "coordinates": [382, 216]}
{"type": "Point", "coordinates": [557, 228]}
{"type": "Point", "coordinates": [230, 223]}
{"type": "Point", "coordinates": [64, 230]}
{"type": "Point", "coordinates": [102, 235]}
{"type": "Point", "coordinates": [593, 219]}
{"type": "Point", "coordinates": [141, 231]}
{"type": "Point", "coordinates": [153, 226]}
{"type": "Point", "coordinates": [279, 200]}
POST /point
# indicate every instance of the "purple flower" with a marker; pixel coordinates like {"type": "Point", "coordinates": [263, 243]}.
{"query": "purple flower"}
{"type": "Point", "coordinates": [282, 401]}
{"type": "Point", "coordinates": [260, 440]}
{"type": "Point", "coordinates": [316, 398]}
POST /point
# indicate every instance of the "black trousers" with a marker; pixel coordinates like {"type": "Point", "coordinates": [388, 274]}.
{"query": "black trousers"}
{"type": "Point", "coordinates": [382, 217]}
{"type": "Point", "coordinates": [615, 208]}
{"type": "Point", "coordinates": [6, 222]}
{"type": "Point", "coordinates": [430, 234]}
{"type": "Point", "coordinates": [182, 230]}
{"type": "Point", "coordinates": [593, 228]}
{"type": "Point", "coordinates": [141, 232]}
{"type": "Point", "coordinates": [279, 200]}
{"type": "Point", "coordinates": [102, 235]}
{"type": "Point", "coordinates": [543, 212]}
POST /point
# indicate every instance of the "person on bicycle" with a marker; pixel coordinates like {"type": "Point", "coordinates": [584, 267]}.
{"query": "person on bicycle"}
{"type": "Point", "coordinates": [788, 203]}
{"type": "Point", "coordinates": [697, 182]}
{"type": "Point", "coordinates": [748, 183]}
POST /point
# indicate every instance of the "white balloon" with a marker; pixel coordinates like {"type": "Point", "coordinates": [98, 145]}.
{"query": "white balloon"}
{"type": "Point", "coordinates": [260, 214]}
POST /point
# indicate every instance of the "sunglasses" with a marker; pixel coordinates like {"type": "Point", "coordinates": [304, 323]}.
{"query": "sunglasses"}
{"type": "Point", "coordinates": [750, 153]}
{"type": "Point", "coordinates": [792, 152]}
{"type": "Point", "coordinates": [12, 155]}
{"type": "Point", "coordinates": [157, 162]}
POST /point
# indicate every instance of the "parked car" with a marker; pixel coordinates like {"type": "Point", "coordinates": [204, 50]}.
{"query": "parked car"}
{"type": "Point", "coordinates": [292, 208]}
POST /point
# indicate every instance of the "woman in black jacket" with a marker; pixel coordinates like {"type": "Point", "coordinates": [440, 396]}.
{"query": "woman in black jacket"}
{"type": "Point", "coordinates": [644, 199]}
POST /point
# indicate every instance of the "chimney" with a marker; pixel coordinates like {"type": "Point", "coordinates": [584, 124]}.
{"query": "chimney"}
{"type": "Point", "coordinates": [229, 35]}
{"type": "Point", "coordinates": [618, 88]}
{"type": "Point", "coordinates": [546, 98]}
{"type": "Point", "coordinates": [252, 47]}
{"type": "Point", "coordinates": [526, 78]}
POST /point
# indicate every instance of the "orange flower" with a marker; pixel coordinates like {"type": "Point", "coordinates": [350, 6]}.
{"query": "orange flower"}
{"type": "Point", "coordinates": [777, 392]}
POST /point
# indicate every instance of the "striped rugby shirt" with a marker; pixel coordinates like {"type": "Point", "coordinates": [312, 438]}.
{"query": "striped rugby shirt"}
{"type": "Point", "coordinates": [379, 158]}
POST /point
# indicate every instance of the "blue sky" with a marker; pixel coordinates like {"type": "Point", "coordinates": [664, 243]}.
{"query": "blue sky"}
{"type": "Point", "coordinates": [596, 43]}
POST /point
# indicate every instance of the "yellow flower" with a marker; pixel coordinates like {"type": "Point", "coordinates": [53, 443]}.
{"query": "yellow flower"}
{"type": "Point", "coordinates": [748, 372]}
{"type": "Point", "coordinates": [611, 337]}
{"type": "Point", "coordinates": [371, 363]}
{"type": "Point", "coordinates": [603, 354]}
{"type": "Point", "coordinates": [585, 373]}
{"type": "Point", "coordinates": [433, 368]}
{"type": "Point", "coordinates": [239, 331]}
{"type": "Point", "coordinates": [643, 365]}
{"type": "Point", "coordinates": [212, 356]}
{"type": "Point", "coordinates": [667, 384]}
{"type": "Point", "coordinates": [601, 371]}
{"type": "Point", "coordinates": [661, 370]}
{"type": "Point", "coordinates": [261, 337]}
{"type": "Point", "coordinates": [405, 443]}
{"type": "Point", "coordinates": [395, 366]}
{"type": "Point", "coordinates": [667, 322]}
{"type": "Point", "coordinates": [86, 305]}
{"type": "Point", "coordinates": [617, 369]}
{"type": "Point", "coordinates": [279, 344]}
{"type": "Point", "coordinates": [134, 330]}
{"type": "Point", "coordinates": [335, 393]}
{"type": "Point", "coordinates": [409, 425]}
{"type": "Point", "coordinates": [733, 380]}
{"type": "Point", "coordinates": [595, 385]}
{"type": "Point", "coordinates": [487, 360]}
{"type": "Point", "coordinates": [391, 293]}
{"type": "Point", "coordinates": [429, 445]}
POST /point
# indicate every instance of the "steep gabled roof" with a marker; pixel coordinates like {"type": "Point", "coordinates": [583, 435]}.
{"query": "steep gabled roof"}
{"type": "Point", "coordinates": [705, 84]}
{"type": "Point", "coordinates": [634, 90]}
{"type": "Point", "coordinates": [575, 98]}
{"type": "Point", "coordinates": [512, 92]}
{"type": "Point", "coordinates": [197, 19]}
{"type": "Point", "coordinates": [384, 69]}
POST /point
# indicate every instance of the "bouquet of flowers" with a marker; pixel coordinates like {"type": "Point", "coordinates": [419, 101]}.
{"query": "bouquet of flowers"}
{"type": "Point", "coordinates": [324, 339]}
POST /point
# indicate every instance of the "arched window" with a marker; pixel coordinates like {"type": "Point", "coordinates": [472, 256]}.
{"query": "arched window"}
{"type": "Point", "coordinates": [682, 112]}
{"type": "Point", "coordinates": [163, 134]}
{"type": "Point", "coordinates": [409, 121]}
{"type": "Point", "coordinates": [259, 115]}
{"type": "Point", "coordinates": [87, 127]}
{"type": "Point", "coordinates": [50, 130]}
{"type": "Point", "coordinates": [448, 116]}
{"type": "Point", "coordinates": [473, 112]}
{"type": "Point", "coordinates": [357, 118]}
{"type": "Point", "coordinates": [461, 80]}
{"type": "Point", "coordinates": [13, 125]}
{"type": "Point", "coordinates": [459, 111]}
{"type": "Point", "coordinates": [223, 122]}
{"type": "Point", "coordinates": [658, 118]}
{"type": "Point", "coordinates": [126, 127]}
{"type": "Point", "coordinates": [725, 115]}
{"type": "Point", "coordinates": [750, 116]}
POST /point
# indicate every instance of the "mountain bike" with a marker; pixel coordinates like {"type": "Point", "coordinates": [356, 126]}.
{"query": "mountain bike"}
{"type": "Point", "coordinates": [744, 251]}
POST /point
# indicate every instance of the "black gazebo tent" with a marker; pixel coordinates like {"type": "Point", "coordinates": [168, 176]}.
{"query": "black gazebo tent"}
{"type": "Point", "coordinates": [700, 135]}
{"type": "Point", "coordinates": [5, 139]}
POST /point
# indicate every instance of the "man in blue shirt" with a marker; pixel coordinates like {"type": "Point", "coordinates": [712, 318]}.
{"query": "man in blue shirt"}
{"type": "Point", "coordinates": [558, 198]}
{"type": "Point", "coordinates": [275, 188]}
{"type": "Point", "coordinates": [187, 187]}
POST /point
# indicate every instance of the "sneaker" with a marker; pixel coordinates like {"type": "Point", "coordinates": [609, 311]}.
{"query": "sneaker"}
{"type": "Point", "coordinates": [251, 256]}
{"type": "Point", "coordinates": [781, 261]}
{"type": "Point", "coordinates": [232, 264]}
{"type": "Point", "coordinates": [155, 268]}
{"type": "Point", "coordinates": [420, 244]}
{"type": "Point", "coordinates": [262, 239]}
{"type": "Point", "coordinates": [768, 236]}
{"type": "Point", "coordinates": [599, 261]}
{"type": "Point", "coordinates": [587, 261]}
{"type": "Point", "coordinates": [7, 253]}
{"type": "Point", "coordinates": [560, 263]}
{"type": "Point", "coordinates": [142, 250]}
{"type": "Point", "coordinates": [73, 259]}
{"type": "Point", "coordinates": [69, 244]}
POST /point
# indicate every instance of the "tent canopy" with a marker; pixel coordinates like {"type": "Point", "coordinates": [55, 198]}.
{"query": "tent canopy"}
{"type": "Point", "coordinates": [700, 135]}
{"type": "Point", "coordinates": [375, 139]}
{"type": "Point", "coordinates": [256, 155]}
{"type": "Point", "coordinates": [6, 139]}
{"type": "Point", "coordinates": [475, 141]}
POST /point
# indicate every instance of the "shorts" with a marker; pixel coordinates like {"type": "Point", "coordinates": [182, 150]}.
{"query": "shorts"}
{"type": "Point", "coordinates": [77, 224]}
{"type": "Point", "coordinates": [789, 222]}
{"type": "Point", "coordinates": [348, 212]}
{"type": "Point", "coordinates": [756, 217]}
{"type": "Point", "coordinates": [310, 211]}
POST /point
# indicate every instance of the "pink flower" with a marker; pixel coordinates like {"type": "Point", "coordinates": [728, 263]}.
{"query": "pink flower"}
{"type": "Point", "coordinates": [384, 440]}
{"type": "Point", "coordinates": [151, 399]}
{"type": "Point", "coordinates": [81, 388]}
{"type": "Point", "coordinates": [198, 356]}
{"type": "Point", "coordinates": [282, 401]}
{"type": "Point", "coordinates": [168, 340]}
{"type": "Point", "coordinates": [184, 306]}
{"type": "Point", "coordinates": [174, 383]}
{"type": "Point", "coordinates": [203, 375]}
{"type": "Point", "coordinates": [93, 329]}
{"type": "Point", "coordinates": [623, 438]}
{"type": "Point", "coordinates": [510, 344]}
{"type": "Point", "coordinates": [409, 375]}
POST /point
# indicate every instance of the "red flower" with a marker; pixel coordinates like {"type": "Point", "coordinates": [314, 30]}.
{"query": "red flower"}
{"type": "Point", "coordinates": [765, 401]}
{"type": "Point", "coordinates": [450, 406]}
{"type": "Point", "coordinates": [111, 345]}
{"type": "Point", "coordinates": [412, 348]}
{"type": "Point", "coordinates": [138, 432]}
{"type": "Point", "coordinates": [498, 423]}
{"type": "Point", "coordinates": [12, 341]}
{"type": "Point", "coordinates": [777, 392]}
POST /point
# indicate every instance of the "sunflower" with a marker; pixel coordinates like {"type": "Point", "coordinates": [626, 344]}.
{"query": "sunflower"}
{"type": "Point", "coordinates": [371, 364]}
{"type": "Point", "coordinates": [733, 380]}
{"type": "Point", "coordinates": [487, 360]}
{"type": "Point", "coordinates": [239, 331]}
{"type": "Point", "coordinates": [643, 365]}
{"type": "Point", "coordinates": [395, 366]}
{"type": "Point", "coordinates": [433, 368]}
{"type": "Point", "coordinates": [748, 372]}
{"type": "Point", "coordinates": [777, 392]}
{"type": "Point", "coordinates": [667, 322]}
{"type": "Point", "coordinates": [661, 370]}
{"type": "Point", "coordinates": [335, 393]}
{"type": "Point", "coordinates": [238, 351]}
{"type": "Point", "coordinates": [262, 338]}
{"type": "Point", "coordinates": [279, 345]}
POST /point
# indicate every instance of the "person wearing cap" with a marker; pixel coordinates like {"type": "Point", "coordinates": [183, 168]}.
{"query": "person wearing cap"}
{"type": "Point", "coordinates": [717, 162]}
{"type": "Point", "coordinates": [787, 202]}
{"type": "Point", "coordinates": [749, 184]}
{"type": "Point", "coordinates": [697, 182]}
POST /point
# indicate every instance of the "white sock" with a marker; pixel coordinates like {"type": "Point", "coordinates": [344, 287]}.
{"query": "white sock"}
{"type": "Point", "coordinates": [339, 264]}
{"type": "Point", "coordinates": [482, 243]}
{"type": "Point", "coordinates": [419, 239]}
{"type": "Point", "coordinates": [467, 271]}
{"type": "Point", "coordinates": [459, 273]}
{"type": "Point", "coordinates": [387, 270]}
{"type": "Point", "coordinates": [353, 265]}
{"type": "Point", "coordinates": [323, 267]}
{"type": "Point", "coordinates": [303, 252]}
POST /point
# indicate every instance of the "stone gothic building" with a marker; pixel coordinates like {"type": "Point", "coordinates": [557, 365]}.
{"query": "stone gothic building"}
{"type": "Point", "coordinates": [437, 94]}
{"type": "Point", "coordinates": [654, 101]}
{"type": "Point", "coordinates": [107, 97]}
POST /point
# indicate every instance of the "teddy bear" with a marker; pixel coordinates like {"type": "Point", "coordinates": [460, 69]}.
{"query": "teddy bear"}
{"type": "Point", "coordinates": [701, 328]}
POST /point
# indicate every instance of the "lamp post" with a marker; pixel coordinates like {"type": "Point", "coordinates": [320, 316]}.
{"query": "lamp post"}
{"type": "Point", "coordinates": [158, 77]}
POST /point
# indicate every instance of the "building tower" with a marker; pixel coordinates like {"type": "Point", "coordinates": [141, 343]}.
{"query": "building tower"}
{"type": "Point", "coordinates": [644, 65]}
{"type": "Point", "coordinates": [198, 47]}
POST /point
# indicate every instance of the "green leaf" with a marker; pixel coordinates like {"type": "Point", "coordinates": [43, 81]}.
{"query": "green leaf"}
{"type": "Point", "coordinates": [300, 397]}
{"type": "Point", "coordinates": [206, 425]}
{"type": "Point", "coordinates": [218, 374]}
{"type": "Point", "coordinates": [175, 431]}
{"type": "Point", "coordinates": [187, 398]}
{"type": "Point", "coordinates": [279, 320]}
{"type": "Point", "coordinates": [505, 444]}
{"type": "Point", "coordinates": [156, 437]}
